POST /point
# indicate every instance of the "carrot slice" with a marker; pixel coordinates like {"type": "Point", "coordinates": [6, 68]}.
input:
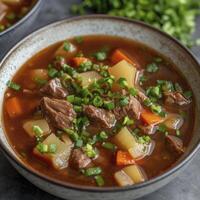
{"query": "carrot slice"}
{"type": "Point", "coordinates": [124, 158]}
{"type": "Point", "coordinates": [118, 55]}
{"type": "Point", "coordinates": [13, 107]}
{"type": "Point", "coordinates": [150, 118]}
{"type": "Point", "coordinates": [77, 61]}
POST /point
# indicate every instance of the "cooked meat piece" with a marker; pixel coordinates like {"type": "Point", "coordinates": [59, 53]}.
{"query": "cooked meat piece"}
{"type": "Point", "coordinates": [79, 159]}
{"type": "Point", "coordinates": [54, 88]}
{"type": "Point", "coordinates": [141, 96]}
{"type": "Point", "coordinates": [58, 113]}
{"type": "Point", "coordinates": [133, 109]}
{"type": "Point", "coordinates": [150, 130]}
{"type": "Point", "coordinates": [3, 10]}
{"type": "Point", "coordinates": [101, 117]}
{"type": "Point", "coordinates": [176, 98]}
{"type": "Point", "coordinates": [175, 144]}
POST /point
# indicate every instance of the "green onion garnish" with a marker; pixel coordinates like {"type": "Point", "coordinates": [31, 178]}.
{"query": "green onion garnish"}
{"type": "Point", "coordinates": [13, 85]}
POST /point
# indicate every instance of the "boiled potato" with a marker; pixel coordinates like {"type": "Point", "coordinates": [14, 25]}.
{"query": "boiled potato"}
{"type": "Point", "coordinates": [123, 179]}
{"type": "Point", "coordinates": [89, 77]}
{"type": "Point", "coordinates": [59, 159]}
{"type": "Point", "coordinates": [39, 74]}
{"type": "Point", "coordinates": [135, 173]}
{"type": "Point", "coordinates": [123, 69]}
{"type": "Point", "coordinates": [42, 123]}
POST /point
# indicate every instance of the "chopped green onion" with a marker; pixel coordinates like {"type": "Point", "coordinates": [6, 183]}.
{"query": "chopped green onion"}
{"type": "Point", "coordinates": [178, 88]}
{"type": "Point", "coordinates": [109, 105]}
{"type": "Point", "coordinates": [13, 85]}
{"type": "Point", "coordinates": [52, 72]}
{"type": "Point", "coordinates": [127, 121]}
{"type": "Point", "coordinates": [78, 108]}
{"type": "Point", "coordinates": [40, 81]}
{"type": "Point", "coordinates": [42, 148]}
{"type": "Point", "coordinates": [133, 92]}
{"type": "Point", "coordinates": [37, 130]}
{"type": "Point", "coordinates": [100, 55]}
{"type": "Point", "coordinates": [67, 46]}
{"type": "Point", "coordinates": [124, 101]}
{"type": "Point", "coordinates": [99, 180]}
{"type": "Point", "coordinates": [92, 171]}
{"type": "Point", "coordinates": [151, 68]}
{"type": "Point", "coordinates": [144, 139]}
{"type": "Point", "coordinates": [52, 148]}
{"type": "Point", "coordinates": [188, 94]}
{"type": "Point", "coordinates": [103, 135]}
{"type": "Point", "coordinates": [70, 98]}
{"type": "Point", "coordinates": [90, 151]}
{"type": "Point", "coordinates": [122, 82]}
{"type": "Point", "coordinates": [79, 143]}
{"type": "Point", "coordinates": [178, 133]}
{"type": "Point", "coordinates": [109, 145]}
{"type": "Point", "coordinates": [97, 101]}
{"type": "Point", "coordinates": [162, 128]}
{"type": "Point", "coordinates": [142, 79]}
{"type": "Point", "coordinates": [85, 66]}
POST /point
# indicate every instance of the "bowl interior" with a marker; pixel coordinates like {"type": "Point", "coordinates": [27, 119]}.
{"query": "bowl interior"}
{"type": "Point", "coordinates": [137, 31]}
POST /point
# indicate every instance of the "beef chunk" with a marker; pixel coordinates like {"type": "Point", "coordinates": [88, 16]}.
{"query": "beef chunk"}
{"type": "Point", "coordinates": [133, 109]}
{"type": "Point", "coordinates": [79, 159]}
{"type": "Point", "coordinates": [176, 98]}
{"type": "Point", "coordinates": [175, 144]}
{"type": "Point", "coordinates": [101, 117]}
{"type": "Point", "coordinates": [54, 88]}
{"type": "Point", "coordinates": [59, 62]}
{"type": "Point", "coordinates": [150, 130]}
{"type": "Point", "coordinates": [58, 113]}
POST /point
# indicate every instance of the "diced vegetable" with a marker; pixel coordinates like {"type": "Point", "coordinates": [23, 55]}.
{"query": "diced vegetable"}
{"type": "Point", "coordinates": [92, 171]}
{"type": "Point", "coordinates": [123, 179]}
{"type": "Point", "coordinates": [174, 121]}
{"type": "Point", "coordinates": [123, 69]}
{"type": "Point", "coordinates": [60, 155]}
{"type": "Point", "coordinates": [127, 142]}
{"type": "Point", "coordinates": [13, 85]}
{"type": "Point", "coordinates": [14, 107]}
{"type": "Point", "coordinates": [38, 76]}
{"type": "Point", "coordinates": [135, 173]}
{"type": "Point", "coordinates": [99, 180]}
{"type": "Point", "coordinates": [42, 124]}
{"type": "Point", "coordinates": [89, 77]}
{"type": "Point", "coordinates": [66, 50]}
{"type": "Point", "coordinates": [118, 55]}
{"type": "Point", "coordinates": [151, 118]}
{"type": "Point", "coordinates": [124, 158]}
{"type": "Point", "coordinates": [77, 61]}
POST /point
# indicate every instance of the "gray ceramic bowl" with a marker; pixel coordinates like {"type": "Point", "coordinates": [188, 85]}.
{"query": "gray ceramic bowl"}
{"type": "Point", "coordinates": [12, 35]}
{"type": "Point", "coordinates": [93, 25]}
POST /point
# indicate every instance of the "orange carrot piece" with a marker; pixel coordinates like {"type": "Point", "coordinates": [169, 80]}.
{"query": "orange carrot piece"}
{"type": "Point", "coordinates": [124, 158]}
{"type": "Point", "coordinates": [77, 61]}
{"type": "Point", "coordinates": [13, 107]}
{"type": "Point", "coordinates": [150, 118]}
{"type": "Point", "coordinates": [118, 55]}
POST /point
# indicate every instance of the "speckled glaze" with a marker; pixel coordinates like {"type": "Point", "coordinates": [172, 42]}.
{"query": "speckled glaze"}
{"type": "Point", "coordinates": [93, 25]}
{"type": "Point", "coordinates": [11, 36]}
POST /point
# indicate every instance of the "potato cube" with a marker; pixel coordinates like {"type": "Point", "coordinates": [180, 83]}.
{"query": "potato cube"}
{"type": "Point", "coordinates": [60, 158]}
{"type": "Point", "coordinates": [41, 123]}
{"type": "Point", "coordinates": [123, 179]}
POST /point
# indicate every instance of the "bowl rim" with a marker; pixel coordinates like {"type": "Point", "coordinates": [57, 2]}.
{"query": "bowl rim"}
{"type": "Point", "coordinates": [23, 19]}
{"type": "Point", "coordinates": [94, 189]}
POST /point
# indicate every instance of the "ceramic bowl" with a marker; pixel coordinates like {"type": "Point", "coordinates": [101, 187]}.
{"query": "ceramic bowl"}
{"type": "Point", "coordinates": [17, 31]}
{"type": "Point", "coordinates": [94, 25]}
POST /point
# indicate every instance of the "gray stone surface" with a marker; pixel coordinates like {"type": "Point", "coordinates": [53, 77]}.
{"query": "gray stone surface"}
{"type": "Point", "coordinates": [15, 187]}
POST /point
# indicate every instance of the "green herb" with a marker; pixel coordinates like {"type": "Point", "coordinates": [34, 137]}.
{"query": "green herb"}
{"type": "Point", "coordinates": [124, 101]}
{"type": "Point", "coordinates": [79, 39]}
{"type": "Point", "coordinates": [122, 82]}
{"type": "Point", "coordinates": [127, 121]}
{"type": "Point", "coordinates": [144, 139]}
{"type": "Point", "coordinates": [67, 46]}
{"type": "Point", "coordinates": [99, 180]}
{"type": "Point", "coordinates": [13, 85]}
{"type": "Point", "coordinates": [142, 79]}
{"type": "Point", "coordinates": [37, 130]}
{"type": "Point", "coordinates": [42, 148]}
{"type": "Point", "coordinates": [52, 148]}
{"type": "Point", "coordinates": [78, 108]}
{"type": "Point", "coordinates": [92, 171]}
{"type": "Point", "coordinates": [154, 92]}
{"type": "Point", "coordinates": [79, 143]}
{"type": "Point", "coordinates": [90, 151]}
{"type": "Point", "coordinates": [109, 146]}
{"type": "Point", "coordinates": [151, 68]}
{"type": "Point", "coordinates": [100, 55]}
{"type": "Point", "coordinates": [147, 102]}
{"type": "Point", "coordinates": [133, 91]}
{"type": "Point", "coordinates": [162, 128]}
{"type": "Point", "coordinates": [176, 17]}
{"type": "Point", "coordinates": [178, 88]}
{"type": "Point", "coordinates": [52, 72]}
{"type": "Point", "coordinates": [85, 66]}
{"type": "Point", "coordinates": [97, 101]}
{"type": "Point", "coordinates": [178, 133]}
{"type": "Point", "coordinates": [70, 98]}
{"type": "Point", "coordinates": [109, 105]}
{"type": "Point", "coordinates": [103, 135]}
{"type": "Point", "coordinates": [40, 81]}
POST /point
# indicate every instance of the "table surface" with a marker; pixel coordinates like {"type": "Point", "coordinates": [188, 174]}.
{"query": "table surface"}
{"type": "Point", "coordinates": [14, 187]}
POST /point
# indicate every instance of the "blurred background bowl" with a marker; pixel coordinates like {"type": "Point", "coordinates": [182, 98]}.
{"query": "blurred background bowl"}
{"type": "Point", "coordinates": [17, 31]}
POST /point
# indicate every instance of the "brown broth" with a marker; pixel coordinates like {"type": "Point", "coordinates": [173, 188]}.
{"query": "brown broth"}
{"type": "Point", "coordinates": [161, 159]}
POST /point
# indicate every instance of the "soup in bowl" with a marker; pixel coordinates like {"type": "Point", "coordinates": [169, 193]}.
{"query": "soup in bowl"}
{"type": "Point", "coordinates": [98, 111]}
